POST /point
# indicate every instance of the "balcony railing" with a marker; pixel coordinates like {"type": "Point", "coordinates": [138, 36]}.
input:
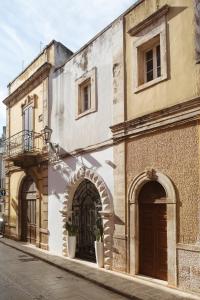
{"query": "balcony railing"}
{"type": "Point", "coordinates": [23, 143]}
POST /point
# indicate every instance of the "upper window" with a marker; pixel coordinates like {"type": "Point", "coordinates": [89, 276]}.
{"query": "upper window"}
{"type": "Point", "coordinates": [86, 94]}
{"type": "Point", "coordinates": [149, 61]}
{"type": "Point", "coordinates": [149, 51]}
{"type": "Point", "coordinates": [152, 63]}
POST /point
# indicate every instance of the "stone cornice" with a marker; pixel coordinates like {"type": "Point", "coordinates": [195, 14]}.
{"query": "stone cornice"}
{"type": "Point", "coordinates": [148, 21]}
{"type": "Point", "coordinates": [172, 116]}
{"type": "Point", "coordinates": [28, 85]}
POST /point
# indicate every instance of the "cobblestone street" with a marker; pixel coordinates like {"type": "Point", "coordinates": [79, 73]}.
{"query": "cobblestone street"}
{"type": "Point", "coordinates": [23, 277]}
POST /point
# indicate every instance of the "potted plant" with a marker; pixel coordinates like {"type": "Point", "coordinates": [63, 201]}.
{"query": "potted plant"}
{"type": "Point", "coordinates": [98, 244]}
{"type": "Point", "coordinates": [71, 239]}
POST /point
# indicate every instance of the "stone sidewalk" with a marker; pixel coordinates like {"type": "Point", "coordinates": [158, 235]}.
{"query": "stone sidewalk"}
{"type": "Point", "coordinates": [129, 287]}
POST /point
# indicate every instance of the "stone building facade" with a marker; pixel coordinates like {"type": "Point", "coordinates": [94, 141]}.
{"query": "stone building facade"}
{"type": "Point", "coordinates": [84, 90]}
{"type": "Point", "coordinates": [2, 171]}
{"type": "Point", "coordinates": [158, 144]}
{"type": "Point", "coordinates": [26, 155]}
{"type": "Point", "coordinates": [124, 111]}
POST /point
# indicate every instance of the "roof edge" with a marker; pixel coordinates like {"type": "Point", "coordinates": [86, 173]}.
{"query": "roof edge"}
{"type": "Point", "coordinates": [42, 52]}
{"type": "Point", "coordinates": [138, 2]}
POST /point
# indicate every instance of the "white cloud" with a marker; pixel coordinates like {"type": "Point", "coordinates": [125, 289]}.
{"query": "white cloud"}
{"type": "Point", "coordinates": [26, 23]}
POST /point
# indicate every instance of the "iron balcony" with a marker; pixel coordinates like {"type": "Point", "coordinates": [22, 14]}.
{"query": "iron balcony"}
{"type": "Point", "coordinates": [25, 147]}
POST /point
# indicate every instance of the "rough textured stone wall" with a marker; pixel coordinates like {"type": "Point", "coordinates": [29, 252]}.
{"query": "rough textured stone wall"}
{"type": "Point", "coordinates": [197, 29]}
{"type": "Point", "coordinates": [175, 153]}
{"type": "Point", "coordinates": [189, 269]}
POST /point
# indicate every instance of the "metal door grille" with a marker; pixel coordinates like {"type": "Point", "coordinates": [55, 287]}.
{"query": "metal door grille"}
{"type": "Point", "coordinates": [86, 205]}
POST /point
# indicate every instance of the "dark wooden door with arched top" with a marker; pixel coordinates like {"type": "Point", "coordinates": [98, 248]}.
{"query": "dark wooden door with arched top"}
{"type": "Point", "coordinates": [86, 205]}
{"type": "Point", "coordinates": [153, 231]}
{"type": "Point", "coordinates": [28, 211]}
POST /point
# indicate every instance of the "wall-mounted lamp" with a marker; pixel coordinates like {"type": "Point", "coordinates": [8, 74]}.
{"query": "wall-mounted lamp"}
{"type": "Point", "coordinates": [47, 131]}
{"type": "Point", "coordinates": [54, 149]}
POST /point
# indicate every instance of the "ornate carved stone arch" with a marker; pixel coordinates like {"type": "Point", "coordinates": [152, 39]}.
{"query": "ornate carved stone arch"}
{"type": "Point", "coordinates": [133, 193]}
{"type": "Point", "coordinates": [149, 175]}
{"type": "Point", "coordinates": [107, 209]}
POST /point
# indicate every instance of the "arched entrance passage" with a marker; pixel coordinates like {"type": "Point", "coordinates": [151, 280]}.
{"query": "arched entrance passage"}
{"type": "Point", "coordinates": [85, 207]}
{"type": "Point", "coordinates": [107, 212]}
{"type": "Point", "coordinates": [153, 230]}
{"type": "Point", "coordinates": [28, 211]}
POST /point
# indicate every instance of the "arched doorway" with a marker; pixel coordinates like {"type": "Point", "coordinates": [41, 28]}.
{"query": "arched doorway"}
{"type": "Point", "coordinates": [85, 207]}
{"type": "Point", "coordinates": [153, 231]}
{"type": "Point", "coordinates": [28, 211]}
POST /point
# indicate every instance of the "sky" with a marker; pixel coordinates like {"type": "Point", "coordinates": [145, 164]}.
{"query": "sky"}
{"type": "Point", "coordinates": [27, 26]}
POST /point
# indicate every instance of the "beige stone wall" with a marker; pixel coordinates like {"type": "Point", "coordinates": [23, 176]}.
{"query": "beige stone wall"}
{"type": "Point", "coordinates": [183, 72]}
{"type": "Point", "coordinates": [174, 153]}
{"type": "Point", "coordinates": [15, 181]}
{"type": "Point", "coordinates": [46, 56]}
{"type": "Point", "coordinates": [38, 94]}
{"type": "Point", "coordinates": [16, 121]}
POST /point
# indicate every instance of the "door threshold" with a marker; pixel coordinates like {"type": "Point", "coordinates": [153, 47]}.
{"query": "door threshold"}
{"type": "Point", "coordinates": [151, 279]}
{"type": "Point", "coordinates": [29, 244]}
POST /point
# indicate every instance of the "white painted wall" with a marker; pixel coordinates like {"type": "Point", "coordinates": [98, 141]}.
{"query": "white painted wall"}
{"type": "Point", "coordinates": [100, 161]}
{"type": "Point", "coordinates": [103, 53]}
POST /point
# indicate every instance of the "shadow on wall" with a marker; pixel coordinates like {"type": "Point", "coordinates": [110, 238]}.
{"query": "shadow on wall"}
{"type": "Point", "coordinates": [14, 205]}
{"type": "Point", "coordinates": [57, 182]}
{"type": "Point", "coordinates": [78, 159]}
{"type": "Point", "coordinates": [178, 206]}
{"type": "Point", "coordinates": [174, 11]}
{"type": "Point", "coordinates": [63, 172]}
{"type": "Point", "coordinates": [117, 221]}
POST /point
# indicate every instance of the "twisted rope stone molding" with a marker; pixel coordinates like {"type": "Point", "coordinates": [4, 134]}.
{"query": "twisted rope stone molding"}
{"type": "Point", "coordinates": [107, 212]}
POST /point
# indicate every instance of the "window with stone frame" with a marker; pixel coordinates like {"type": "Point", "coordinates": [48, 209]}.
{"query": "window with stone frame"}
{"type": "Point", "coordinates": [149, 55]}
{"type": "Point", "coordinates": [86, 97]}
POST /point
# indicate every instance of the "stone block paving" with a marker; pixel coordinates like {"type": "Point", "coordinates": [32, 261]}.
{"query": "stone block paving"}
{"type": "Point", "coordinates": [30, 273]}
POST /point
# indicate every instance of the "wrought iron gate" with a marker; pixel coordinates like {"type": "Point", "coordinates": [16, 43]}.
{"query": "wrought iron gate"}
{"type": "Point", "coordinates": [86, 205]}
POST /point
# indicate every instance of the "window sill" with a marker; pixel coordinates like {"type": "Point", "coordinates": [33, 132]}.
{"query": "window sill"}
{"type": "Point", "coordinates": [87, 112]}
{"type": "Point", "coordinates": [149, 84]}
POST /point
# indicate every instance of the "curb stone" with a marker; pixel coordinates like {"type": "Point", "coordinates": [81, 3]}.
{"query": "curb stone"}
{"type": "Point", "coordinates": [129, 288]}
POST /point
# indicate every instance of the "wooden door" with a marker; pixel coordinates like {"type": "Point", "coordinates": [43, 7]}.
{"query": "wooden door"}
{"type": "Point", "coordinates": [153, 236]}
{"type": "Point", "coordinates": [29, 211]}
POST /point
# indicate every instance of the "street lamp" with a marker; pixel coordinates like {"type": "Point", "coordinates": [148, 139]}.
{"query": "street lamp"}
{"type": "Point", "coordinates": [53, 148]}
{"type": "Point", "coordinates": [47, 134]}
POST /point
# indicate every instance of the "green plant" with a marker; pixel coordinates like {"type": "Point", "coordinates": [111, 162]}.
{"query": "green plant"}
{"type": "Point", "coordinates": [71, 228]}
{"type": "Point", "coordinates": [98, 230]}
